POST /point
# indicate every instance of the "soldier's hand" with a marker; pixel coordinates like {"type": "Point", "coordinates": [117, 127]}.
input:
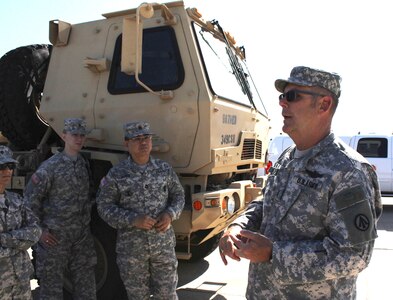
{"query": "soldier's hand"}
{"type": "Point", "coordinates": [47, 239]}
{"type": "Point", "coordinates": [253, 246]}
{"type": "Point", "coordinates": [163, 222]}
{"type": "Point", "coordinates": [144, 222]}
{"type": "Point", "coordinates": [227, 246]}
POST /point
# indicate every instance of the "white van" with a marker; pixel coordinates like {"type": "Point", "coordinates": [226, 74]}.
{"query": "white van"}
{"type": "Point", "coordinates": [376, 148]}
{"type": "Point", "coordinates": [277, 145]}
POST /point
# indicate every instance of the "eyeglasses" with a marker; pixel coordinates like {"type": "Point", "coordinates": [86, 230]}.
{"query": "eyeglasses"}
{"type": "Point", "coordinates": [9, 166]}
{"type": "Point", "coordinates": [293, 95]}
{"type": "Point", "coordinates": [140, 139]}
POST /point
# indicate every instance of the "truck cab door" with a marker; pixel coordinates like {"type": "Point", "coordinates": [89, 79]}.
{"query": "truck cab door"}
{"type": "Point", "coordinates": [166, 65]}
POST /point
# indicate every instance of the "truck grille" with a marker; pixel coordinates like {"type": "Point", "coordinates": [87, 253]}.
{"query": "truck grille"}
{"type": "Point", "coordinates": [252, 149]}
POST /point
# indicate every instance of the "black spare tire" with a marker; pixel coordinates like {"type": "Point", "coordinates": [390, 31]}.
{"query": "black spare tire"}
{"type": "Point", "coordinates": [22, 78]}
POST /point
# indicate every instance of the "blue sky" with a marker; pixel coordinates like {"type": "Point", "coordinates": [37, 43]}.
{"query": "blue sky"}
{"type": "Point", "coordinates": [351, 38]}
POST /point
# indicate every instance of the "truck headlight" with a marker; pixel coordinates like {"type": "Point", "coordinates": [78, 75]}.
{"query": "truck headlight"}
{"type": "Point", "coordinates": [229, 204]}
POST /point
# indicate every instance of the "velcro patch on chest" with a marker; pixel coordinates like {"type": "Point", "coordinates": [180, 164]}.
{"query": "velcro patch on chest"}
{"type": "Point", "coordinates": [308, 182]}
{"type": "Point", "coordinates": [349, 197]}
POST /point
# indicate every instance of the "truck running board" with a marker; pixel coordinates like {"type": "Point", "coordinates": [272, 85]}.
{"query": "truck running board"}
{"type": "Point", "coordinates": [183, 255]}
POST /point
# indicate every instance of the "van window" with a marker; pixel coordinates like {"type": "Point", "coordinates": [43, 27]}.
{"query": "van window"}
{"type": "Point", "coordinates": [373, 147]}
{"type": "Point", "coordinates": [162, 68]}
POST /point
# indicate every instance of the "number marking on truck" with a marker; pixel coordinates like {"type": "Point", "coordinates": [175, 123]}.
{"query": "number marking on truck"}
{"type": "Point", "coordinates": [227, 139]}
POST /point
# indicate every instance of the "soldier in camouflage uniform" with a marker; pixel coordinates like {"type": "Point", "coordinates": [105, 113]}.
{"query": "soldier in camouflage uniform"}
{"type": "Point", "coordinates": [19, 230]}
{"type": "Point", "coordinates": [140, 197]}
{"type": "Point", "coordinates": [58, 192]}
{"type": "Point", "coordinates": [314, 231]}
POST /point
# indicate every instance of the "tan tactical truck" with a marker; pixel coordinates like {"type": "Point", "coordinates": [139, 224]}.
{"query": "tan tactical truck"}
{"type": "Point", "coordinates": [160, 63]}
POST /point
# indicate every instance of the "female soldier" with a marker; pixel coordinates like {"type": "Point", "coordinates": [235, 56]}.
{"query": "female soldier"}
{"type": "Point", "coordinates": [18, 232]}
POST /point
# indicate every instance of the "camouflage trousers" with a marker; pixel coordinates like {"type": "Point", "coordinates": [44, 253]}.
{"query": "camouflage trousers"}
{"type": "Point", "coordinates": [149, 273]}
{"type": "Point", "coordinates": [78, 258]}
{"type": "Point", "coordinates": [20, 291]}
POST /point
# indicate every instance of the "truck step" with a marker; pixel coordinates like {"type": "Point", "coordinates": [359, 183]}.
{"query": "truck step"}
{"type": "Point", "coordinates": [183, 255]}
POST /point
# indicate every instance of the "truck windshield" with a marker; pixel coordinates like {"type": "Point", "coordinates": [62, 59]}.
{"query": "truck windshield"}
{"type": "Point", "coordinates": [228, 75]}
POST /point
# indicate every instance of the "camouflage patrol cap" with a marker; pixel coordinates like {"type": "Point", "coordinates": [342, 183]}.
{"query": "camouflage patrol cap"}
{"type": "Point", "coordinates": [75, 126]}
{"type": "Point", "coordinates": [133, 129]}
{"type": "Point", "coordinates": [306, 76]}
{"type": "Point", "coordinates": [6, 155]}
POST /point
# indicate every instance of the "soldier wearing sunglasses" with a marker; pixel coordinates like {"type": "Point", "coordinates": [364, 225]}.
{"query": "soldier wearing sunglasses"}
{"type": "Point", "coordinates": [314, 231]}
{"type": "Point", "coordinates": [19, 230]}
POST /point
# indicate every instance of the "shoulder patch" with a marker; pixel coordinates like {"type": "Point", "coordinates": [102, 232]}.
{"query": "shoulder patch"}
{"type": "Point", "coordinates": [356, 216]}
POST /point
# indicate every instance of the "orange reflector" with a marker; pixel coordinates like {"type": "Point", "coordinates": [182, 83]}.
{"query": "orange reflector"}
{"type": "Point", "coordinates": [197, 205]}
{"type": "Point", "coordinates": [215, 202]}
{"type": "Point", "coordinates": [224, 204]}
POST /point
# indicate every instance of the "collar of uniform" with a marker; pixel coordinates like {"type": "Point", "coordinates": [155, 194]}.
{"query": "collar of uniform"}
{"type": "Point", "coordinates": [68, 158]}
{"type": "Point", "coordinates": [136, 166]}
{"type": "Point", "coordinates": [301, 163]}
{"type": "Point", "coordinates": [151, 163]}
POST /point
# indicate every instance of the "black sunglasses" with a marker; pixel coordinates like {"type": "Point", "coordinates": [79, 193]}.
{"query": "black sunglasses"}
{"type": "Point", "coordinates": [9, 166]}
{"type": "Point", "coordinates": [293, 95]}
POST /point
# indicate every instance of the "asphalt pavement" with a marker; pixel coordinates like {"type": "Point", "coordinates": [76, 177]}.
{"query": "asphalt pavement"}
{"type": "Point", "coordinates": [374, 282]}
{"type": "Point", "coordinates": [210, 279]}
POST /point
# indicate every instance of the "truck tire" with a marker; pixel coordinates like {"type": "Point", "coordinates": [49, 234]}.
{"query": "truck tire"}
{"type": "Point", "coordinates": [108, 281]}
{"type": "Point", "coordinates": [109, 285]}
{"type": "Point", "coordinates": [22, 77]}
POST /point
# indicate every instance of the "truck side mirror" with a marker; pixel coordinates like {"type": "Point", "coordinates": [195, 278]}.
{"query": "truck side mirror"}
{"type": "Point", "coordinates": [131, 51]}
{"type": "Point", "coordinates": [131, 47]}
{"type": "Point", "coordinates": [59, 32]}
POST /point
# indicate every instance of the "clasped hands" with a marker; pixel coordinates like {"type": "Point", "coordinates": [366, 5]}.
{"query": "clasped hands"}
{"type": "Point", "coordinates": [239, 243]}
{"type": "Point", "coordinates": [161, 223]}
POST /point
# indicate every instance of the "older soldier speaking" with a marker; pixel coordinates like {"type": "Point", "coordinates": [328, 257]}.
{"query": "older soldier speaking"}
{"type": "Point", "coordinates": [58, 192]}
{"type": "Point", "coordinates": [314, 231]}
{"type": "Point", "coordinates": [19, 230]}
{"type": "Point", "coordinates": [140, 197]}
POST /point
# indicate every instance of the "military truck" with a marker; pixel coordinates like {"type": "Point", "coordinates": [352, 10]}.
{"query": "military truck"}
{"type": "Point", "coordinates": [161, 63]}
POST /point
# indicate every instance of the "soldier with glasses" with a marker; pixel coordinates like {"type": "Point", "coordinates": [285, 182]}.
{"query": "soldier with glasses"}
{"type": "Point", "coordinates": [314, 231]}
{"type": "Point", "coordinates": [19, 230]}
